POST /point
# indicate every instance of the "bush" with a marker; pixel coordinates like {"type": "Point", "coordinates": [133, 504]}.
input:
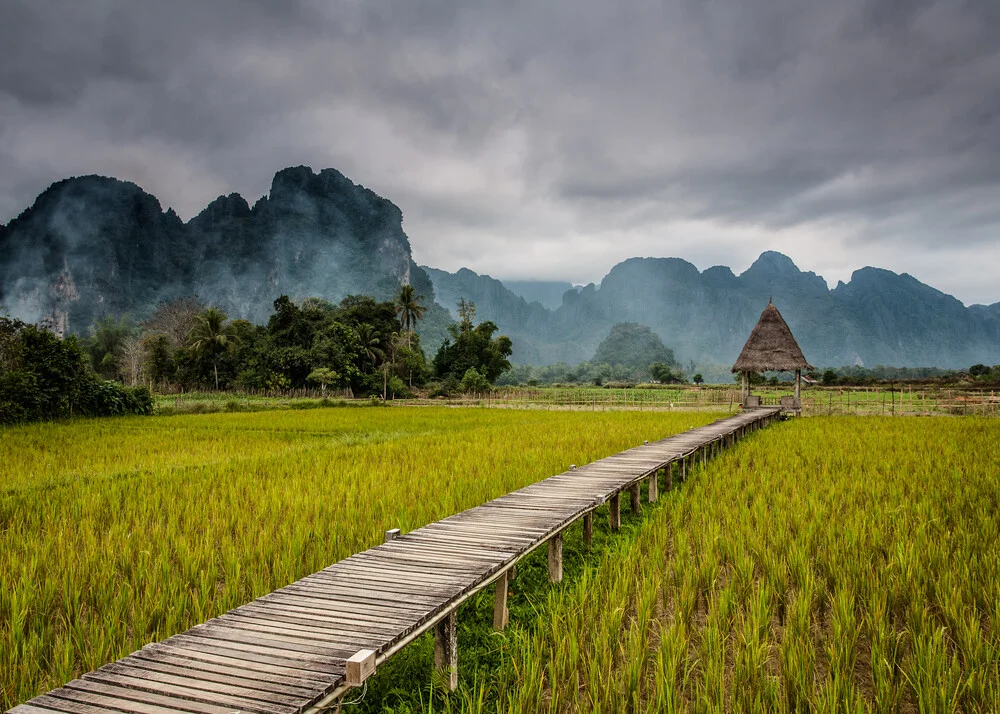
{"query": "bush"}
{"type": "Point", "coordinates": [474, 381]}
{"type": "Point", "coordinates": [44, 377]}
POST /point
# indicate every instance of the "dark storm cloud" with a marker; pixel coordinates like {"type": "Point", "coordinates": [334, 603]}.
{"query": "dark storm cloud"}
{"type": "Point", "coordinates": [552, 139]}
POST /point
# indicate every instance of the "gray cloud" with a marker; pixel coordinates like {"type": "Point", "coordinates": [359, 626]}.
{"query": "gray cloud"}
{"type": "Point", "coordinates": [543, 140]}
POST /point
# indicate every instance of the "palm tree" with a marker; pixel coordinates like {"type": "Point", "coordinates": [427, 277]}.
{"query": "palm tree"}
{"type": "Point", "coordinates": [211, 335]}
{"type": "Point", "coordinates": [370, 343]}
{"type": "Point", "coordinates": [409, 309]}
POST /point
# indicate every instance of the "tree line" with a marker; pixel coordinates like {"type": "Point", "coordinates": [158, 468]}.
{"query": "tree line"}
{"type": "Point", "coordinates": [360, 345]}
{"type": "Point", "coordinates": [45, 377]}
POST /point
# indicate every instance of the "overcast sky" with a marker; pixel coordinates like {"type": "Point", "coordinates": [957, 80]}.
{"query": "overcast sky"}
{"type": "Point", "coordinates": [543, 140]}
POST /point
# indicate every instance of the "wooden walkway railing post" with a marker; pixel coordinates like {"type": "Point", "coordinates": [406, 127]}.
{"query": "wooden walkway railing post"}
{"type": "Point", "coordinates": [501, 615]}
{"type": "Point", "coordinates": [446, 649]}
{"type": "Point", "coordinates": [556, 558]}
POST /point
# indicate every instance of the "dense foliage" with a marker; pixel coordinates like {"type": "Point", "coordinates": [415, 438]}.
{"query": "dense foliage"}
{"type": "Point", "coordinates": [44, 377]}
{"type": "Point", "coordinates": [635, 347]}
{"type": "Point", "coordinates": [473, 356]}
{"type": "Point", "coordinates": [360, 345]}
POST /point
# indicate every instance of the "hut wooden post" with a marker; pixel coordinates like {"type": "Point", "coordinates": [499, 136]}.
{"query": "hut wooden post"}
{"type": "Point", "coordinates": [798, 385]}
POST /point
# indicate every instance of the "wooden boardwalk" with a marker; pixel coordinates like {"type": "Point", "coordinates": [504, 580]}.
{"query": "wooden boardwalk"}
{"type": "Point", "coordinates": [302, 647]}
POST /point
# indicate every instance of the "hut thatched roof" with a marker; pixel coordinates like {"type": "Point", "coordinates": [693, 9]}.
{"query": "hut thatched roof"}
{"type": "Point", "coordinates": [771, 346]}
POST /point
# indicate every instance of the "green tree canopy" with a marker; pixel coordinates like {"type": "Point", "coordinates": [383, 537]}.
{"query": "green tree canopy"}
{"type": "Point", "coordinates": [473, 347]}
{"type": "Point", "coordinates": [634, 346]}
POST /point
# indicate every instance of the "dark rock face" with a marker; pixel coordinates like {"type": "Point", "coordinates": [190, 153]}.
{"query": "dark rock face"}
{"type": "Point", "coordinates": [878, 318]}
{"type": "Point", "coordinates": [95, 245]}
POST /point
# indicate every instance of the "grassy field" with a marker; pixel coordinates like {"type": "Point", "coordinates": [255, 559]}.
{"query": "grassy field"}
{"type": "Point", "coordinates": [833, 565]}
{"type": "Point", "coordinates": [117, 532]}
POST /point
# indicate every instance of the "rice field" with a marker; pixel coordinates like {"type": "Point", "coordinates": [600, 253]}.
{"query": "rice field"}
{"type": "Point", "coordinates": [837, 564]}
{"type": "Point", "coordinates": [117, 532]}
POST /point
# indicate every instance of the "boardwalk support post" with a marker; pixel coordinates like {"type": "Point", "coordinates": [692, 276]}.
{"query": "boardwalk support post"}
{"type": "Point", "coordinates": [654, 486]}
{"type": "Point", "coordinates": [391, 534]}
{"type": "Point", "coordinates": [360, 666]}
{"type": "Point", "coordinates": [668, 476]}
{"type": "Point", "coordinates": [446, 649]}
{"type": "Point", "coordinates": [615, 511]}
{"type": "Point", "coordinates": [634, 503]}
{"type": "Point", "coordinates": [501, 615]}
{"type": "Point", "coordinates": [588, 529]}
{"type": "Point", "coordinates": [555, 558]}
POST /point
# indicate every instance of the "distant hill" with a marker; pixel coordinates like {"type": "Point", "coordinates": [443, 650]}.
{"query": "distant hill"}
{"type": "Point", "coordinates": [92, 245]}
{"type": "Point", "coordinates": [878, 317]}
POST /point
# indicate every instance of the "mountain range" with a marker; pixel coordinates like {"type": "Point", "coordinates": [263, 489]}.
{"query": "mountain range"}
{"type": "Point", "coordinates": [92, 245]}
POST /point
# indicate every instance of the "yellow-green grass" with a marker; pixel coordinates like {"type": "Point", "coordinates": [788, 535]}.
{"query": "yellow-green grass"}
{"type": "Point", "coordinates": [826, 564]}
{"type": "Point", "coordinates": [118, 532]}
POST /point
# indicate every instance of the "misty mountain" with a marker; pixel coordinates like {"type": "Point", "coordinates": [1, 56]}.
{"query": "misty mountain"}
{"type": "Point", "coordinates": [547, 293]}
{"type": "Point", "coordinates": [91, 246]}
{"type": "Point", "coordinates": [878, 317]}
{"type": "Point", "coordinates": [94, 245]}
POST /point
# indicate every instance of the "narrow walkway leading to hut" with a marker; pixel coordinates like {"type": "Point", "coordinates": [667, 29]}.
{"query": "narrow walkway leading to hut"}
{"type": "Point", "coordinates": [300, 648]}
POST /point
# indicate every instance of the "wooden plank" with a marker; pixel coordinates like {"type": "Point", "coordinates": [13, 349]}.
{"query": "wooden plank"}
{"type": "Point", "coordinates": [206, 673]}
{"type": "Point", "coordinates": [116, 694]}
{"type": "Point", "coordinates": [320, 627]}
{"type": "Point", "coordinates": [174, 687]}
{"type": "Point", "coordinates": [289, 646]}
{"type": "Point", "coordinates": [252, 666]}
{"type": "Point", "coordinates": [74, 704]}
{"type": "Point", "coordinates": [344, 594]}
{"type": "Point", "coordinates": [304, 663]}
{"type": "Point", "coordinates": [329, 637]}
{"type": "Point", "coordinates": [28, 709]}
{"type": "Point", "coordinates": [407, 592]}
{"type": "Point", "coordinates": [318, 608]}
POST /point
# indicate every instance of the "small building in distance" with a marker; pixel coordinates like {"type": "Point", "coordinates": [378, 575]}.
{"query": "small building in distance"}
{"type": "Point", "coordinates": [771, 348]}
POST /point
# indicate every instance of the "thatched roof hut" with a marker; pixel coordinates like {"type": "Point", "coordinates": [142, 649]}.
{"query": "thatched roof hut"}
{"type": "Point", "coordinates": [771, 348]}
